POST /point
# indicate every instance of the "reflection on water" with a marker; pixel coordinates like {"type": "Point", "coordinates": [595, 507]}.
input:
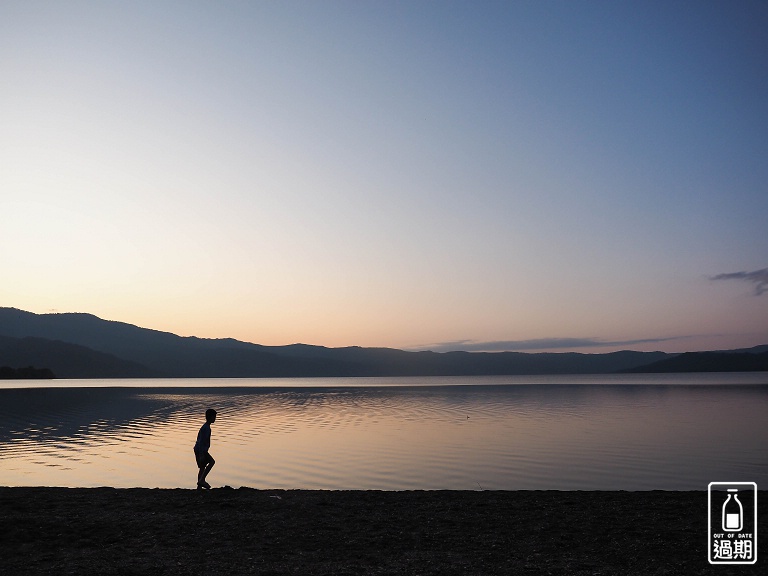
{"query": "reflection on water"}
{"type": "Point", "coordinates": [409, 437]}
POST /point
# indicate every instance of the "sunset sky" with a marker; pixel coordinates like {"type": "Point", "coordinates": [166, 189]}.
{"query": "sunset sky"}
{"type": "Point", "coordinates": [521, 175]}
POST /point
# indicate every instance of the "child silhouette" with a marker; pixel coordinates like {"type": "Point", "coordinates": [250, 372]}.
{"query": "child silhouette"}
{"type": "Point", "coordinates": [204, 459]}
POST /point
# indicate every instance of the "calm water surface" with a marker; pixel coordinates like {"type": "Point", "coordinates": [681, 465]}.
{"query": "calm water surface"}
{"type": "Point", "coordinates": [565, 432]}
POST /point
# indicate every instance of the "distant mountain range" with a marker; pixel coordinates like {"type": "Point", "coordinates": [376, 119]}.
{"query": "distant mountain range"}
{"type": "Point", "coordinates": [753, 361]}
{"type": "Point", "coordinates": [85, 346]}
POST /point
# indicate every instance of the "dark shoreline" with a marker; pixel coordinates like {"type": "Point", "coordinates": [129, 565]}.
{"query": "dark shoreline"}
{"type": "Point", "coordinates": [246, 531]}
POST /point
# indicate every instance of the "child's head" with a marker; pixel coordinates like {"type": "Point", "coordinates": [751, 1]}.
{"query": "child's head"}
{"type": "Point", "coordinates": [210, 415]}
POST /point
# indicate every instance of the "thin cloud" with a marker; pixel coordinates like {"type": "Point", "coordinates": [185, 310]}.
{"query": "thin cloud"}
{"type": "Point", "coordinates": [759, 278]}
{"type": "Point", "coordinates": [535, 344]}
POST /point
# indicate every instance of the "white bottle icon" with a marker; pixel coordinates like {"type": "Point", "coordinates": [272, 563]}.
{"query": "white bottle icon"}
{"type": "Point", "coordinates": [733, 513]}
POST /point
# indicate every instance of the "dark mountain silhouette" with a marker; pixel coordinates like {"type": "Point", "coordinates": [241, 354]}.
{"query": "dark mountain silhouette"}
{"type": "Point", "coordinates": [67, 360]}
{"type": "Point", "coordinates": [110, 349]}
{"type": "Point", "coordinates": [161, 353]}
{"type": "Point", "coordinates": [392, 362]}
{"type": "Point", "coordinates": [709, 362]}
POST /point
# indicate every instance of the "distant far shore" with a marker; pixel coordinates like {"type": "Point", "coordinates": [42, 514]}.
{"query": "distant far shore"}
{"type": "Point", "coordinates": [82, 346]}
{"type": "Point", "coordinates": [245, 531]}
{"type": "Point", "coordinates": [28, 373]}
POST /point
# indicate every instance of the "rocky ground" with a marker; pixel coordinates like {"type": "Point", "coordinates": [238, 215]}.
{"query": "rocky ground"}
{"type": "Point", "coordinates": [226, 531]}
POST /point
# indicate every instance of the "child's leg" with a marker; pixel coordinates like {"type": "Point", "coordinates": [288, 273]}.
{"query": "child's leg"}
{"type": "Point", "coordinates": [204, 471]}
{"type": "Point", "coordinates": [208, 466]}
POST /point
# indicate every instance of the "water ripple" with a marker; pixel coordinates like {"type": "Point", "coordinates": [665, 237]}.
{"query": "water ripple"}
{"type": "Point", "coordinates": [491, 437]}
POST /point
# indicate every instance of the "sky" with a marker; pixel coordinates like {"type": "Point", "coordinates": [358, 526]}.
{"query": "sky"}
{"type": "Point", "coordinates": [523, 175]}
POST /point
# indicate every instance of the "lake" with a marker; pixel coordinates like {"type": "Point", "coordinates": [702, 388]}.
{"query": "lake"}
{"type": "Point", "coordinates": [606, 432]}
